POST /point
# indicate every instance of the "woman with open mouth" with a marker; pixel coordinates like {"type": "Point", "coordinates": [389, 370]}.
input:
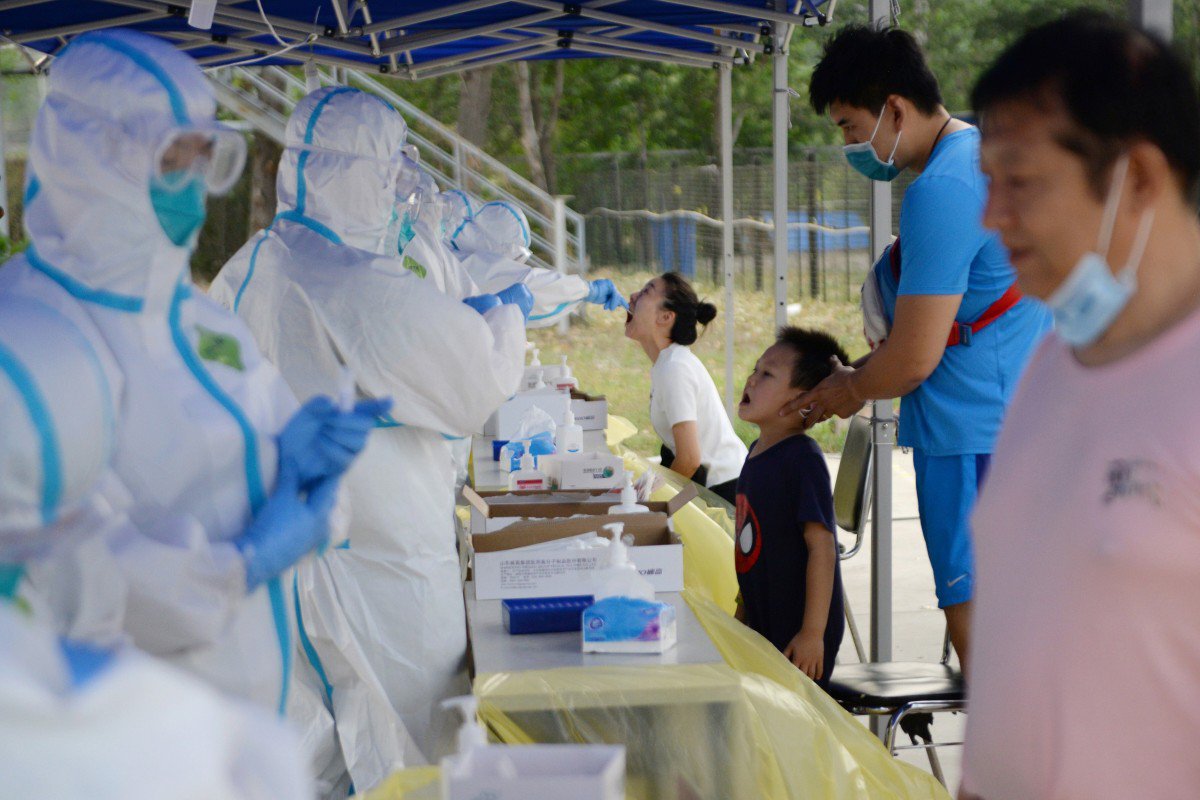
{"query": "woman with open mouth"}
{"type": "Point", "coordinates": [685, 407]}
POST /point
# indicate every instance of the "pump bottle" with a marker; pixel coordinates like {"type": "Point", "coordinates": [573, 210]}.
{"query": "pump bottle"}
{"type": "Point", "coordinates": [629, 503]}
{"type": "Point", "coordinates": [621, 578]}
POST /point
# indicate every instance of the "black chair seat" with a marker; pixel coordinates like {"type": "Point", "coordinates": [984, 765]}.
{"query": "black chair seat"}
{"type": "Point", "coordinates": [894, 683]}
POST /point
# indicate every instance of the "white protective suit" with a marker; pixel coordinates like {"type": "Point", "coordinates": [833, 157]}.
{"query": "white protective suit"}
{"type": "Point", "coordinates": [493, 245]}
{"type": "Point", "coordinates": [318, 295]}
{"type": "Point", "coordinates": [199, 407]}
{"type": "Point", "coordinates": [84, 722]}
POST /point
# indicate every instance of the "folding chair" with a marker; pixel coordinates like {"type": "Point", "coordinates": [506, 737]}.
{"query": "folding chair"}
{"type": "Point", "coordinates": [907, 692]}
{"type": "Point", "coordinates": [851, 498]}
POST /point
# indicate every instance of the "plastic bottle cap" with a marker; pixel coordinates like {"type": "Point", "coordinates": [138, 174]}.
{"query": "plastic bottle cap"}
{"type": "Point", "coordinates": [628, 493]}
{"type": "Point", "coordinates": [569, 417]}
{"type": "Point", "coordinates": [535, 362]}
{"type": "Point", "coordinates": [527, 456]}
{"type": "Point", "coordinates": [618, 555]}
{"type": "Point", "coordinates": [540, 383]}
{"type": "Point", "coordinates": [566, 371]}
{"type": "Point", "coordinates": [470, 734]}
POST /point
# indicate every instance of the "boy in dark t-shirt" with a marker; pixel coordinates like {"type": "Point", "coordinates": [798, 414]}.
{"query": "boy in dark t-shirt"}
{"type": "Point", "coordinates": [785, 552]}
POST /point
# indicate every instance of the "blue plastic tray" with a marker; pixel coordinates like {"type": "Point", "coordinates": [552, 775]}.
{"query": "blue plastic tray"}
{"type": "Point", "coordinates": [545, 614]}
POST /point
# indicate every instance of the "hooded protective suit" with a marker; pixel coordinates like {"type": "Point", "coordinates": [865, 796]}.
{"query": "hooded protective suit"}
{"type": "Point", "coordinates": [419, 237]}
{"type": "Point", "coordinates": [493, 245]}
{"type": "Point", "coordinates": [79, 721]}
{"type": "Point", "coordinates": [199, 406]}
{"type": "Point", "coordinates": [388, 611]}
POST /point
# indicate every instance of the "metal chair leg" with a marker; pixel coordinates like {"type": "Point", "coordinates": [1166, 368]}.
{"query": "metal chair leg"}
{"type": "Point", "coordinates": [853, 626]}
{"type": "Point", "coordinates": [935, 763]}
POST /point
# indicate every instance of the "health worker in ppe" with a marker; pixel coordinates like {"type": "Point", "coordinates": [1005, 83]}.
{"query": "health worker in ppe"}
{"type": "Point", "coordinates": [319, 295]}
{"type": "Point", "coordinates": [224, 497]}
{"type": "Point", "coordinates": [79, 720]}
{"type": "Point", "coordinates": [493, 244]}
{"type": "Point", "coordinates": [420, 241]}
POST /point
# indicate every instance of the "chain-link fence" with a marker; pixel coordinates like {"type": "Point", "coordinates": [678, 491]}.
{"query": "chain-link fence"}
{"type": "Point", "coordinates": [662, 211]}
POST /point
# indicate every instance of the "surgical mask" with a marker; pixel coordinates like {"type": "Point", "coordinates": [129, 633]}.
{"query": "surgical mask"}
{"type": "Point", "coordinates": [1091, 297]}
{"type": "Point", "coordinates": [862, 156]}
{"type": "Point", "coordinates": [180, 211]}
{"type": "Point", "coordinates": [10, 578]}
{"type": "Point", "coordinates": [407, 234]}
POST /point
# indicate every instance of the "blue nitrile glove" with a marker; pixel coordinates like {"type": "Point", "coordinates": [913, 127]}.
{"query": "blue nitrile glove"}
{"type": "Point", "coordinates": [287, 528]}
{"type": "Point", "coordinates": [518, 295]}
{"type": "Point", "coordinates": [320, 440]}
{"type": "Point", "coordinates": [603, 292]}
{"type": "Point", "coordinates": [483, 303]}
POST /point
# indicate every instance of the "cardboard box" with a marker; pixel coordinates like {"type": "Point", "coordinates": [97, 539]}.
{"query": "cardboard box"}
{"type": "Point", "coordinates": [591, 412]}
{"type": "Point", "coordinates": [583, 471]}
{"type": "Point", "coordinates": [496, 510]}
{"type": "Point", "coordinates": [538, 772]}
{"type": "Point", "coordinates": [505, 421]}
{"type": "Point", "coordinates": [503, 572]}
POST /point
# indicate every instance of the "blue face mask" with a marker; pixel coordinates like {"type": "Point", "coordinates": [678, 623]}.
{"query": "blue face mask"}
{"type": "Point", "coordinates": [1091, 298]}
{"type": "Point", "coordinates": [180, 211]}
{"type": "Point", "coordinates": [10, 577]}
{"type": "Point", "coordinates": [407, 234]}
{"type": "Point", "coordinates": [862, 156]}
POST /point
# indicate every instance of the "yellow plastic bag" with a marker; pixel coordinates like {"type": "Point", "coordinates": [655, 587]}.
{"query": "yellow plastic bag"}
{"type": "Point", "coordinates": [415, 783]}
{"type": "Point", "coordinates": [707, 547]}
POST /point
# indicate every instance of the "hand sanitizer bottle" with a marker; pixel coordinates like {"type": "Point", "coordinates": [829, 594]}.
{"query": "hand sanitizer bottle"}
{"type": "Point", "coordinates": [565, 381]}
{"type": "Point", "coordinates": [568, 438]}
{"type": "Point", "coordinates": [527, 478]}
{"type": "Point", "coordinates": [621, 578]}
{"type": "Point", "coordinates": [629, 503]}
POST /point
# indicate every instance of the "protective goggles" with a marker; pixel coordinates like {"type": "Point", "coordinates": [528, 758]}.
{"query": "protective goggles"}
{"type": "Point", "coordinates": [215, 155]}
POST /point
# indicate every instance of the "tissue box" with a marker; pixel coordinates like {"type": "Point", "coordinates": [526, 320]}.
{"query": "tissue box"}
{"type": "Point", "coordinates": [505, 421]}
{"type": "Point", "coordinates": [626, 625]}
{"type": "Point", "coordinates": [536, 772]}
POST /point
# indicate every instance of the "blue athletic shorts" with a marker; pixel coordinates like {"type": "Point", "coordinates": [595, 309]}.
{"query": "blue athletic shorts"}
{"type": "Point", "coordinates": [946, 490]}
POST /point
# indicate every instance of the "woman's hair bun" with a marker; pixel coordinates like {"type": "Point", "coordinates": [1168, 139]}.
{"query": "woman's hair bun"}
{"type": "Point", "coordinates": [705, 313]}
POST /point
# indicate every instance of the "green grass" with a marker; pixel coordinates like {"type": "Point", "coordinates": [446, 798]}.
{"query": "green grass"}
{"type": "Point", "coordinates": [607, 363]}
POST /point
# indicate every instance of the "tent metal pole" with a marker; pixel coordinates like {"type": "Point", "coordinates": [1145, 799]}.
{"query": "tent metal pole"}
{"type": "Point", "coordinates": [883, 437]}
{"type": "Point", "coordinates": [4, 207]}
{"type": "Point", "coordinates": [1154, 16]}
{"type": "Point", "coordinates": [420, 74]}
{"type": "Point", "coordinates": [725, 95]}
{"type": "Point", "coordinates": [779, 132]}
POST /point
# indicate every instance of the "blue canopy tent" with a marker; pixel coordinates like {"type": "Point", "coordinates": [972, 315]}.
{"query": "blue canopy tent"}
{"type": "Point", "coordinates": [427, 38]}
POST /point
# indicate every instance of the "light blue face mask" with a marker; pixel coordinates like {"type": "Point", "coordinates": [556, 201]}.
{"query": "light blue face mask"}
{"type": "Point", "coordinates": [10, 577]}
{"type": "Point", "coordinates": [407, 234]}
{"type": "Point", "coordinates": [180, 211]}
{"type": "Point", "coordinates": [1091, 297]}
{"type": "Point", "coordinates": [862, 156]}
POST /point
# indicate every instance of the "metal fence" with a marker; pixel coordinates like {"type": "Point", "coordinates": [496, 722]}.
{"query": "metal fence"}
{"type": "Point", "coordinates": [661, 212]}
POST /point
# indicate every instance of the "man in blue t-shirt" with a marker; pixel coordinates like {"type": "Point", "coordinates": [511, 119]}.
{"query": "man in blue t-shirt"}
{"type": "Point", "coordinates": [958, 331]}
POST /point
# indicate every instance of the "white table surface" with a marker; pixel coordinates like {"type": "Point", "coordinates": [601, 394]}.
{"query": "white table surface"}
{"type": "Point", "coordinates": [495, 650]}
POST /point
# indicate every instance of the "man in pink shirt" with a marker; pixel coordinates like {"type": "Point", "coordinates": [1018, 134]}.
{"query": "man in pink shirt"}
{"type": "Point", "coordinates": [1085, 674]}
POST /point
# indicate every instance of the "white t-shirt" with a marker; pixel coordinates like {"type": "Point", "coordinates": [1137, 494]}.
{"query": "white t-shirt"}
{"type": "Point", "coordinates": [681, 390]}
{"type": "Point", "coordinates": [1085, 655]}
